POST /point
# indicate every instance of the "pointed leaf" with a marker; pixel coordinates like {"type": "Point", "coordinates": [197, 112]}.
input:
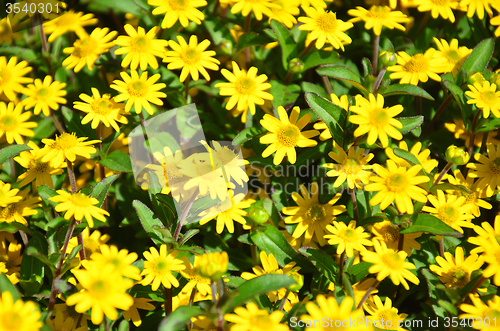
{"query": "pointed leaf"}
{"type": "Point", "coordinates": [251, 39]}
{"type": "Point", "coordinates": [343, 73]}
{"type": "Point", "coordinates": [101, 189]}
{"type": "Point", "coordinates": [331, 114]}
{"type": "Point", "coordinates": [178, 319]}
{"type": "Point", "coordinates": [479, 58]}
{"type": "Point", "coordinates": [117, 161]}
{"type": "Point", "coordinates": [287, 44]}
{"type": "Point", "coordinates": [317, 58]}
{"type": "Point", "coordinates": [11, 151]}
{"type": "Point", "coordinates": [398, 89]}
{"type": "Point", "coordinates": [248, 134]}
{"type": "Point", "coordinates": [149, 222]}
{"type": "Point", "coordinates": [322, 261]}
{"type": "Point", "coordinates": [6, 286]}
{"type": "Point", "coordinates": [410, 123]}
{"type": "Point", "coordinates": [431, 224]}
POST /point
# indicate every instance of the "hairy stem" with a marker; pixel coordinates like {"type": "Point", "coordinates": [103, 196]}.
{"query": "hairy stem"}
{"type": "Point", "coordinates": [354, 204]}
{"type": "Point", "coordinates": [376, 42]}
{"type": "Point", "coordinates": [185, 212]}
{"type": "Point", "coordinates": [443, 172]}
{"type": "Point", "coordinates": [283, 301]}
{"type": "Point", "coordinates": [367, 294]}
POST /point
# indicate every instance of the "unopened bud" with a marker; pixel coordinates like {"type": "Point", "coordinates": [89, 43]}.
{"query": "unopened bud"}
{"type": "Point", "coordinates": [298, 278]}
{"type": "Point", "coordinates": [388, 58]}
{"type": "Point", "coordinates": [192, 26]}
{"type": "Point", "coordinates": [258, 215]}
{"type": "Point", "coordinates": [476, 77]}
{"type": "Point", "coordinates": [457, 155]}
{"type": "Point", "coordinates": [296, 65]}
{"type": "Point", "coordinates": [226, 47]}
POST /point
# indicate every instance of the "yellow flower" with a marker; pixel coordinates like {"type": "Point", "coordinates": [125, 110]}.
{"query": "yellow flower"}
{"type": "Point", "coordinates": [140, 47]}
{"type": "Point", "coordinates": [376, 120]}
{"type": "Point", "coordinates": [91, 242]}
{"type": "Point", "coordinates": [195, 281]}
{"type": "Point", "coordinates": [343, 103]}
{"type": "Point", "coordinates": [456, 271]}
{"type": "Point", "coordinates": [120, 259]}
{"type": "Point", "coordinates": [389, 234]}
{"type": "Point", "coordinates": [486, 97]}
{"type": "Point", "coordinates": [18, 315]}
{"type": "Point", "coordinates": [16, 211]}
{"type": "Point", "coordinates": [178, 10]}
{"type": "Point", "coordinates": [13, 123]}
{"type": "Point", "coordinates": [245, 89]}
{"type": "Point", "coordinates": [311, 215]}
{"type": "Point", "coordinates": [488, 170]}
{"type": "Point", "coordinates": [417, 68]}
{"type": "Point", "coordinates": [232, 164]}
{"type": "Point", "coordinates": [460, 132]}
{"type": "Point", "coordinates": [480, 313]}
{"type": "Point", "coordinates": [101, 109]}
{"type": "Point", "coordinates": [478, 7]}
{"type": "Point", "coordinates": [7, 35]}
{"type": "Point", "coordinates": [474, 198]}
{"type": "Point", "coordinates": [325, 27]}
{"type": "Point", "coordinates": [88, 48]}
{"type": "Point", "coordinates": [397, 184]}
{"type": "Point", "coordinates": [330, 310]}
{"type": "Point", "coordinates": [285, 134]}
{"type": "Point", "coordinates": [159, 266]}
{"type": "Point", "coordinates": [384, 313]}
{"type": "Point", "coordinates": [10, 259]}
{"type": "Point", "coordinates": [104, 290]}
{"type": "Point", "coordinates": [212, 265]}
{"type": "Point", "coordinates": [192, 58]}
{"type": "Point", "coordinates": [314, 3]}
{"type": "Point", "coordinates": [454, 55]}
{"type": "Point", "coordinates": [352, 166]}
{"type": "Point", "coordinates": [12, 76]}
{"type": "Point", "coordinates": [361, 287]}
{"type": "Point", "coordinates": [347, 237]}
{"type": "Point", "coordinates": [388, 262]}
{"type": "Point", "coordinates": [168, 170]}
{"type": "Point", "coordinates": [69, 21]}
{"type": "Point", "coordinates": [8, 196]}
{"type": "Point", "coordinates": [495, 21]}
{"type": "Point", "coordinates": [441, 8]}
{"type": "Point", "coordinates": [139, 91]}
{"type": "Point", "coordinates": [252, 318]}
{"type": "Point", "coordinates": [80, 205]}
{"type": "Point", "coordinates": [491, 256]}
{"type": "Point", "coordinates": [258, 7]}
{"type": "Point", "coordinates": [66, 147]}
{"type": "Point", "coordinates": [452, 210]}
{"type": "Point", "coordinates": [285, 12]}
{"type": "Point", "coordinates": [485, 232]}
{"type": "Point", "coordinates": [133, 314]}
{"type": "Point", "coordinates": [377, 17]}
{"type": "Point", "coordinates": [44, 95]}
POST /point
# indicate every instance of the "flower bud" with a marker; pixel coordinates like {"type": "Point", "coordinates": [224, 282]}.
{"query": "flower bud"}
{"type": "Point", "coordinates": [476, 77]}
{"type": "Point", "coordinates": [226, 47]}
{"type": "Point", "coordinates": [258, 215]}
{"type": "Point", "coordinates": [298, 278]}
{"type": "Point", "coordinates": [388, 58]}
{"type": "Point", "coordinates": [211, 265]}
{"type": "Point", "coordinates": [192, 26]}
{"type": "Point", "coordinates": [495, 79]}
{"type": "Point", "coordinates": [457, 155]}
{"type": "Point", "coordinates": [296, 66]}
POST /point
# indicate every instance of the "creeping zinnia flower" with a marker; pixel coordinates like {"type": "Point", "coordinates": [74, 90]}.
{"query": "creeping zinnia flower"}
{"type": "Point", "coordinates": [258, 7]}
{"type": "Point", "coordinates": [347, 237]}
{"type": "Point", "coordinates": [480, 312]}
{"type": "Point", "coordinates": [456, 271]}
{"type": "Point", "coordinates": [377, 17]}
{"type": "Point", "coordinates": [486, 97]}
{"type": "Point", "coordinates": [441, 8]}
{"type": "Point", "coordinates": [454, 55]}
{"type": "Point", "coordinates": [159, 266]}
{"type": "Point", "coordinates": [329, 308]}
{"type": "Point", "coordinates": [12, 76]}
{"type": "Point", "coordinates": [418, 68]}
{"type": "Point", "coordinates": [44, 95]}
{"type": "Point", "coordinates": [178, 10]}
{"type": "Point", "coordinates": [477, 7]}
{"type": "Point", "coordinates": [69, 21]}
{"type": "Point", "coordinates": [13, 123]}
{"type": "Point", "coordinates": [66, 147]}
{"type": "Point", "coordinates": [80, 205]}
{"type": "Point", "coordinates": [488, 170]}
{"type": "Point", "coordinates": [17, 315]}
{"type": "Point", "coordinates": [246, 319]}
{"type": "Point", "coordinates": [450, 209]}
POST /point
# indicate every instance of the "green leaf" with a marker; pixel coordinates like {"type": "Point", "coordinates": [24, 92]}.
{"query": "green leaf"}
{"type": "Point", "coordinates": [406, 155]}
{"type": "Point", "coordinates": [287, 44]}
{"type": "Point", "coordinates": [101, 189]}
{"type": "Point", "coordinates": [163, 205]}
{"type": "Point", "coordinates": [32, 270]}
{"type": "Point", "coordinates": [269, 239]}
{"type": "Point", "coordinates": [149, 222]}
{"type": "Point", "coordinates": [434, 293]}
{"type": "Point", "coordinates": [410, 123]}
{"type": "Point", "coordinates": [46, 193]}
{"type": "Point", "coordinates": [178, 319]}
{"type": "Point", "coordinates": [398, 89]}
{"type": "Point", "coordinates": [117, 161]}
{"type": "Point", "coordinates": [431, 224]}
{"type": "Point", "coordinates": [6, 286]}
{"type": "Point", "coordinates": [248, 134]}
{"type": "Point", "coordinates": [447, 186]}
{"type": "Point", "coordinates": [168, 209]}
{"type": "Point", "coordinates": [315, 88]}
{"type": "Point", "coordinates": [21, 52]}
{"type": "Point", "coordinates": [11, 151]}
{"type": "Point", "coordinates": [329, 113]}
{"type": "Point", "coordinates": [312, 154]}
{"type": "Point", "coordinates": [188, 235]}
{"type": "Point", "coordinates": [251, 39]}
{"type": "Point", "coordinates": [73, 124]}
{"type": "Point", "coordinates": [479, 58]}
{"type": "Point", "coordinates": [284, 95]}
{"type": "Point", "coordinates": [448, 307]}
{"type": "Point", "coordinates": [322, 261]}
{"type": "Point", "coordinates": [317, 58]}
{"type": "Point", "coordinates": [359, 271]}
{"type": "Point", "coordinates": [343, 73]}
{"type": "Point", "coordinates": [217, 30]}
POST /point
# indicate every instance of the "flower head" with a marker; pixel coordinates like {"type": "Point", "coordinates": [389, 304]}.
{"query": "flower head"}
{"type": "Point", "coordinates": [488, 170]}
{"type": "Point", "coordinates": [133, 314]}
{"type": "Point", "coordinates": [178, 10]}
{"type": "Point", "coordinates": [80, 205]}
{"type": "Point", "coordinates": [252, 318]}
{"type": "Point", "coordinates": [159, 266]}
{"type": "Point", "coordinates": [16, 212]}
{"type": "Point", "coordinates": [491, 255]}
{"type": "Point", "coordinates": [376, 120]}
{"type": "Point", "coordinates": [330, 310]}
{"type": "Point", "coordinates": [66, 147]}
{"type": "Point", "coordinates": [486, 97]}
{"type": "Point", "coordinates": [422, 156]}
{"type": "Point", "coordinates": [196, 281]}
{"type": "Point", "coordinates": [11, 259]}
{"type": "Point", "coordinates": [480, 312]}
{"type": "Point", "coordinates": [388, 233]}
{"type": "Point", "coordinates": [91, 242]}
{"type": "Point", "coordinates": [8, 195]}
{"type": "Point", "coordinates": [473, 197]}
{"type": "Point", "coordinates": [347, 237]}
{"type": "Point", "coordinates": [454, 55]}
{"type": "Point", "coordinates": [258, 7]}
{"type": "Point", "coordinates": [121, 259]}
{"type": "Point", "coordinates": [377, 17]}
{"type": "Point", "coordinates": [285, 134]}
{"type": "Point", "coordinates": [384, 313]}
{"type": "Point", "coordinates": [44, 95]}
{"type": "Point", "coordinates": [11, 76]}
{"type": "Point", "coordinates": [450, 209]}
{"type": "Point", "coordinates": [18, 315]}
{"type": "Point", "coordinates": [477, 7]}
{"type": "Point", "coordinates": [13, 123]}
{"type": "Point", "coordinates": [285, 12]}
{"type": "Point", "coordinates": [456, 271]}
{"type": "Point", "coordinates": [69, 21]}
{"type": "Point", "coordinates": [437, 8]}
{"type": "Point", "coordinates": [212, 265]}
{"type": "Point", "coordinates": [418, 68]}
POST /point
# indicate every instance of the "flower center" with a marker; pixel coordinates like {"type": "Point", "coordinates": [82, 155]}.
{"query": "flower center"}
{"type": "Point", "coordinates": [350, 235]}
{"type": "Point", "coordinates": [137, 88]}
{"type": "Point", "coordinates": [489, 97]}
{"type": "Point", "coordinates": [85, 48]}
{"type": "Point", "coordinates": [288, 135]}
{"type": "Point", "coordinates": [102, 106]}
{"type": "Point", "coordinates": [224, 156]}
{"type": "Point", "coordinates": [65, 141]}
{"type": "Point", "coordinates": [377, 12]}
{"type": "Point", "coordinates": [116, 262]}
{"type": "Point", "coordinates": [8, 123]}
{"type": "Point", "coordinates": [80, 200]}
{"type": "Point", "coordinates": [459, 276]}
{"type": "Point", "coordinates": [161, 266]}
{"type": "Point", "coordinates": [39, 166]}
{"type": "Point", "coordinates": [315, 213]}
{"type": "Point", "coordinates": [492, 313]}
{"type": "Point", "coordinates": [141, 44]}
{"type": "Point", "coordinates": [11, 321]}
{"type": "Point", "coordinates": [396, 183]}
{"type": "Point", "coordinates": [448, 214]}
{"type": "Point", "coordinates": [191, 56]}
{"type": "Point", "coordinates": [99, 288]}
{"type": "Point", "coordinates": [327, 22]}
{"type": "Point", "coordinates": [245, 85]}
{"type": "Point", "coordinates": [43, 93]}
{"type": "Point", "coordinates": [178, 4]}
{"type": "Point", "coordinates": [418, 63]}
{"type": "Point", "coordinates": [495, 166]}
{"type": "Point", "coordinates": [261, 322]}
{"type": "Point", "coordinates": [390, 233]}
{"type": "Point", "coordinates": [452, 56]}
{"type": "Point", "coordinates": [379, 116]}
{"type": "Point", "coordinates": [388, 315]}
{"type": "Point", "coordinates": [392, 260]}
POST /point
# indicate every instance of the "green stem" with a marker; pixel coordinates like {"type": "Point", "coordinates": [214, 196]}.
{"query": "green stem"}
{"type": "Point", "coordinates": [380, 76]}
{"type": "Point", "coordinates": [441, 175]}
{"type": "Point", "coordinates": [354, 204]}
{"type": "Point", "coordinates": [213, 287]}
{"type": "Point", "coordinates": [186, 88]}
{"type": "Point", "coordinates": [185, 213]}
{"type": "Point", "coordinates": [57, 123]}
{"type": "Point", "coordinates": [283, 301]}
{"type": "Point", "coordinates": [473, 132]}
{"type": "Point", "coordinates": [167, 292]}
{"type": "Point", "coordinates": [306, 50]}
{"type": "Point", "coordinates": [342, 264]}
{"type": "Point", "coordinates": [367, 294]}
{"type": "Point", "coordinates": [328, 86]}
{"type": "Point", "coordinates": [376, 42]}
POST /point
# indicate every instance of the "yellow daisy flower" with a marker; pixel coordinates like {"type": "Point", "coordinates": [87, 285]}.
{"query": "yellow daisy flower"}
{"type": "Point", "coordinates": [258, 7]}
{"type": "Point", "coordinates": [245, 89]}
{"type": "Point", "coordinates": [325, 27]}
{"type": "Point", "coordinates": [80, 205]}
{"type": "Point", "coordinates": [422, 156]}
{"type": "Point", "coordinates": [385, 314]}
{"type": "Point", "coordinates": [91, 242]}
{"type": "Point", "coordinates": [474, 197]}
{"type": "Point", "coordinates": [495, 21]}
{"type": "Point", "coordinates": [388, 262]}
{"type": "Point", "coordinates": [13, 123]}
{"type": "Point", "coordinates": [347, 237]}
{"type": "Point", "coordinates": [212, 265]}
{"type": "Point", "coordinates": [43, 96]}
{"type": "Point", "coordinates": [121, 260]}
{"type": "Point", "coordinates": [104, 290]}
{"type": "Point", "coordinates": [456, 271]}
{"type": "Point", "coordinates": [8, 195]}
{"type": "Point", "coordinates": [18, 315]}
{"type": "Point", "coordinates": [252, 318]}
{"type": "Point", "coordinates": [482, 314]}
{"type": "Point", "coordinates": [192, 58]}
{"type": "Point", "coordinates": [140, 47]}
{"type": "Point", "coordinates": [441, 8]}
{"type": "Point", "coordinates": [490, 256]}
{"type": "Point", "coordinates": [286, 12]}
{"type": "Point", "coordinates": [376, 120]}
{"type": "Point", "coordinates": [460, 132]}
{"type": "Point", "coordinates": [377, 17]}
{"type": "Point", "coordinates": [139, 91]}
{"type": "Point", "coordinates": [285, 134]}
{"type": "Point", "coordinates": [397, 184]}
{"type": "Point", "coordinates": [359, 289]}
{"type": "Point", "coordinates": [388, 233]}
{"type": "Point", "coordinates": [310, 215]}
{"type": "Point", "coordinates": [195, 281]}
{"type": "Point", "coordinates": [352, 166]}
{"type": "Point", "coordinates": [101, 110]}
{"type": "Point", "coordinates": [12, 76]}
{"type": "Point", "coordinates": [178, 10]}
{"type": "Point", "coordinates": [454, 55]}
{"type": "Point", "coordinates": [417, 68]}
{"type": "Point", "coordinates": [66, 147]}
{"type": "Point", "coordinates": [168, 170]}
{"type": "Point", "coordinates": [452, 210]}
{"type": "Point", "coordinates": [485, 232]}
{"type": "Point", "coordinates": [314, 3]}
{"type": "Point", "coordinates": [133, 314]}
{"type": "Point", "coordinates": [7, 27]}
{"type": "Point", "coordinates": [69, 21]}
{"type": "Point", "coordinates": [229, 160]}
{"type": "Point", "coordinates": [88, 48]}
{"type": "Point", "coordinates": [11, 259]}
{"type": "Point", "coordinates": [486, 97]}
{"type": "Point", "coordinates": [488, 170]}
{"type": "Point", "coordinates": [330, 310]}
{"type": "Point", "coordinates": [15, 212]}
{"type": "Point", "coordinates": [158, 268]}
{"type": "Point", "coordinates": [477, 7]}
